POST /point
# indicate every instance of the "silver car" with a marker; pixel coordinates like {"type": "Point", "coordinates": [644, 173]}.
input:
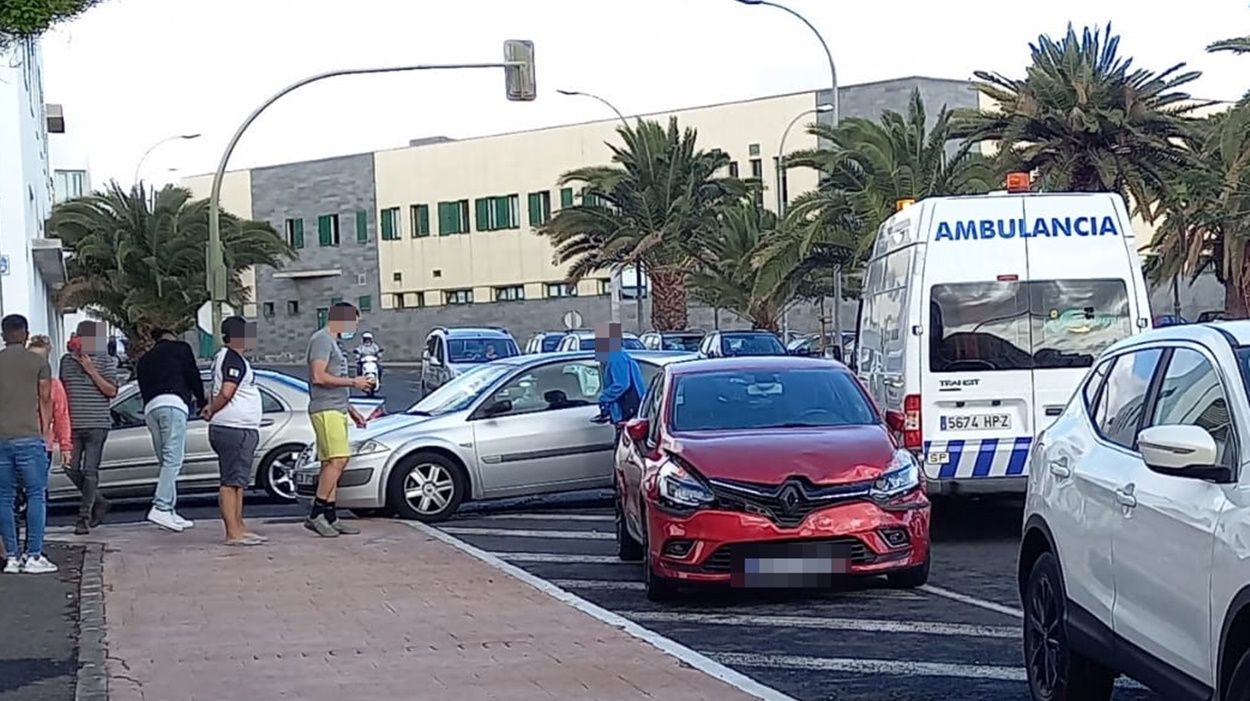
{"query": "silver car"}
{"type": "Point", "coordinates": [517, 426]}
{"type": "Point", "coordinates": [129, 466]}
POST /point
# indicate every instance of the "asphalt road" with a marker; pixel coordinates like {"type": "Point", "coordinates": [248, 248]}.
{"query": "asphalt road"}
{"type": "Point", "coordinates": [39, 630]}
{"type": "Point", "coordinates": [401, 386]}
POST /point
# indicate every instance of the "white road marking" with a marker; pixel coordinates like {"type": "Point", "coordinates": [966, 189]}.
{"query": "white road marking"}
{"type": "Point", "coordinates": [547, 517]}
{"type": "Point", "coordinates": [563, 559]}
{"type": "Point", "coordinates": [852, 624]}
{"type": "Point", "coordinates": [900, 668]}
{"type": "Point", "coordinates": [973, 601]}
{"type": "Point", "coordinates": [522, 533]}
{"type": "Point", "coordinates": [599, 584]}
{"type": "Point", "coordinates": [700, 662]}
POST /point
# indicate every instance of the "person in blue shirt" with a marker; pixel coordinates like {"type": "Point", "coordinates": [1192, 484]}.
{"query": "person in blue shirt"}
{"type": "Point", "coordinates": [623, 384]}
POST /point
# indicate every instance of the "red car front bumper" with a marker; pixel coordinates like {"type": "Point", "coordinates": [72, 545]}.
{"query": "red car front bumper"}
{"type": "Point", "coordinates": [862, 526]}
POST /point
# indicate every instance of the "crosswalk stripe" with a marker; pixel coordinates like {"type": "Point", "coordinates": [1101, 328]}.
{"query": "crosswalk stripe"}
{"type": "Point", "coordinates": [849, 624]}
{"type": "Point", "coordinates": [561, 558]}
{"type": "Point", "coordinates": [598, 584]}
{"type": "Point", "coordinates": [522, 533]}
{"type": "Point", "coordinates": [547, 517]}
{"type": "Point", "coordinates": [905, 668]}
{"type": "Point", "coordinates": [972, 601]}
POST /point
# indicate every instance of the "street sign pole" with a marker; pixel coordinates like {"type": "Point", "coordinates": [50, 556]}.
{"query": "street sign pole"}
{"type": "Point", "coordinates": [518, 65]}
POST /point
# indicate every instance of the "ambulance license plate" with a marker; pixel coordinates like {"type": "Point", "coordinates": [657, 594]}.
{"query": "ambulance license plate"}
{"type": "Point", "coordinates": [977, 422]}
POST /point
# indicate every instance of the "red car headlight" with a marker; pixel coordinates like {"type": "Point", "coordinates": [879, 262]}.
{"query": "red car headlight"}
{"type": "Point", "coordinates": [680, 488]}
{"type": "Point", "coordinates": [901, 476]}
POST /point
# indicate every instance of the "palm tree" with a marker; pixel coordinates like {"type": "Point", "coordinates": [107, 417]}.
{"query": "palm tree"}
{"type": "Point", "coordinates": [652, 207]}
{"type": "Point", "coordinates": [1084, 119]}
{"type": "Point", "coordinates": [140, 265]}
{"type": "Point", "coordinates": [1240, 45]}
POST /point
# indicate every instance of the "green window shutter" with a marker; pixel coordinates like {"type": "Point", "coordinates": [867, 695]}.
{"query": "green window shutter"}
{"type": "Point", "coordinates": [444, 218]}
{"type": "Point", "coordinates": [423, 220]}
{"type": "Point", "coordinates": [482, 215]}
{"type": "Point", "coordinates": [365, 303]}
{"type": "Point", "coordinates": [324, 233]}
{"type": "Point", "coordinates": [566, 197]}
{"type": "Point", "coordinates": [299, 233]}
{"type": "Point", "coordinates": [362, 226]}
{"type": "Point", "coordinates": [503, 218]}
{"type": "Point", "coordinates": [535, 204]}
{"type": "Point", "coordinates": [388, 225]}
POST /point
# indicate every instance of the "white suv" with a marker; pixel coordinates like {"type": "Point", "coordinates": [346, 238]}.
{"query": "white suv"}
{"type": "Point", "coordinates": [1135, 556]}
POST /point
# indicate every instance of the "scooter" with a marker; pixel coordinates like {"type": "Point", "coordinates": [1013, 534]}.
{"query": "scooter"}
{"type": "Point", "coordinates": [371, 367]}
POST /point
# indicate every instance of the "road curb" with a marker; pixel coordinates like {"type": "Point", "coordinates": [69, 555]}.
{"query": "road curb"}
{"type": "Point", "coordinates": [92, 683]}
{"type": "Point", "coordinates": [668, 646]}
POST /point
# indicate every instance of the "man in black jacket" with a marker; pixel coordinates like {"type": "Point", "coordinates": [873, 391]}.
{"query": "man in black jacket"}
{"type": "Point", "coordinates": [172, 388]}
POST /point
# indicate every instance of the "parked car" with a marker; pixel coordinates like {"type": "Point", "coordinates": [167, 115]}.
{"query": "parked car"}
{"type": "Point", "coordinates": [810, 346]}
{"type": "Point", "coordinates": [732, 344]}
{"type": "Point", "coordinates": [688, 341]}
{"type": "Point", "coordinates": [129, 467]}
{"type": "Point", "coordinates": [736, 465]}
{"type": "Point", "coordinates": [585, 340]}
{"type": "Point", "coordinates": [1135, 555]}
{"type": "Point", "coordinates": [514, 427]}
{"type": "Point", "coordinates": [449, 351]}
{"type": "Point", "coordinates": [544, 342]}
{"type": "Point", "coordinates": [1212, 315]}
{"type": "Point", "coordinates": [1162, 320]}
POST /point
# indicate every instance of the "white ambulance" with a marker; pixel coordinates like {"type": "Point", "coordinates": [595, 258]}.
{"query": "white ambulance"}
{"type": "Point", "coordinates": [981, 314]}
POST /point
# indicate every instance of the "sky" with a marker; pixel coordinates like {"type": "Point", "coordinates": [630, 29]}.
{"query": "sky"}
{"type": "Point", "coordinates": [132, 72]}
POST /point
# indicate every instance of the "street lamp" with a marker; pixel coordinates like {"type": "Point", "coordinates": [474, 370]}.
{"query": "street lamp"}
{"type": "Point", "coordinates": [518, 65]}
{"type": "Point", "coordinates": [615, 280]}
{"type": "Point", "coordinates": [781, 150]}
{"type": "Point", "coordinates": [833, 75]}
{"type": "Point", "coordinates": [144, 157]}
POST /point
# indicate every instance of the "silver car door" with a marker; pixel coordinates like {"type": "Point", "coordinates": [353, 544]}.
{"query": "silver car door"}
{"type": "Point", "coordinates": [128, 458]}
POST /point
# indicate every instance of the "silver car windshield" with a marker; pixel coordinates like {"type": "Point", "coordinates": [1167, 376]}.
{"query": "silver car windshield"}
{"type": "Point", "coordinates": [460, 392]}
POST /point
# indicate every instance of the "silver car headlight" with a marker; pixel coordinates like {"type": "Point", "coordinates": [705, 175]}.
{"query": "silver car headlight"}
{"type": "Point", "coordinates": [902, 475]}
{"type": "Point", "coordinates": [367, 447]}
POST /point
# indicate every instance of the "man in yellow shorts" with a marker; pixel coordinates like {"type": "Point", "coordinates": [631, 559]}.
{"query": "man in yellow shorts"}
{"type": "Point", "coordinates": [330, 409]}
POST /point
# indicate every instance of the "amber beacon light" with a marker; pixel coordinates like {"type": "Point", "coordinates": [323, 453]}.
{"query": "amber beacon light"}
{"type": "Point", "coordinates": [900, 205]}
{"type": "Point", "coordinates": [1019, 182]}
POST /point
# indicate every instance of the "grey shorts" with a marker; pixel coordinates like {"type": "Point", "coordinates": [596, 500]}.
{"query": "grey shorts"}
{"type": "Point", "coordinates": [236, 450]}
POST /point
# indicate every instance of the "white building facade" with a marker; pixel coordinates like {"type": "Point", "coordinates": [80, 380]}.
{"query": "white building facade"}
{"type": "Point", "coordinates": [31, 265]}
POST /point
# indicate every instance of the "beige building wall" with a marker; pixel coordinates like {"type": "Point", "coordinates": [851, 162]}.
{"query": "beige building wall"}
{"type": "Point", "coordinates": [236, 198]}
{"type": "Point", "coordinates": [528, 162]}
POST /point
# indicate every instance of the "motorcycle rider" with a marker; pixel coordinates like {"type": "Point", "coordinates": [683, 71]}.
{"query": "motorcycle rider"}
{"type": "Point", "coordinates": [368, 347]}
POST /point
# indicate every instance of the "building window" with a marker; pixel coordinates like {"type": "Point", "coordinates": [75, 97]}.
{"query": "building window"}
{"type": "Point", "coordinates": [335, 300]}
{"type": "Point", "coordinates": [390, 224]}
{"type": "Point", "coordinates": [399, 300]}
{"type": "Point", "coordinates": [453, 217]}
{"type": "Point", "coordinates": [267, 309]}
{"type": "Point", "coordinates": [436, 272]}
{"type": "Point", "coordinates": [420, 215]}
{"type": "Point", "coordinates": [323, 317]}
{"type": "Point", "coordinates": [566, 197]}
{"type": "Point", "coordinates": [295, 233]}
{"type": "Point", "coordinates": [753, 150]}
{"type": "Point", "coordinates": [292, 307]}
{"type": "Point", "coordinates": [419, 299]}
{"type": "Point", "coordinates": [590, 199]}
{"type": "Point", "coordinates": [540, 207]}
{"type": "Point", "coordinates": [458, 297]}
{"type": "Point", "coordinates": [605, 286]}
{"type": "Point", "coordinates": [328, 229]}
{"type": "Point", "coordinates": [362, 226]}
{"type": "Point", "coordinates": [561, 289]}
{"type": "Point", "coordinates": [69, 184]}
{"type": "Point", "coordinates": [733, 169]}
{"type": "Point", "coordinates": [364, 303]}
{"type": "Point", "coordinates": [757, 169]}
{"type": "Point", "coordinates": [498, 213]}
{"type": "Point", "coordinates": [511, 293]}
{"type": "Point", "coordinates": [361, 279]}
{"type": "Point", "coordinates": [397, 276]}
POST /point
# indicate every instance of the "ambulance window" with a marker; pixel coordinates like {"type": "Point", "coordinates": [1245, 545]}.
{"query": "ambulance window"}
{"type": "Point", "coordinates": [978, 327]}
{"type": "Point", "coordinates": [1075, 320]}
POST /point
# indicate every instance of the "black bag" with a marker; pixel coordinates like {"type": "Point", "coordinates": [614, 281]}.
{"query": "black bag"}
{"type": "Point", "coordinates": [629, 403]}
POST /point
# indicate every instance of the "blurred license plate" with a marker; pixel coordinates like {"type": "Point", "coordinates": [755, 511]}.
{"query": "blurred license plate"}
{"type": "Point", "coordinates": [306, 478]}
{"type": "Point", "coordinates": [977, 422]}
{"type": "Point", "coordinates": [789, 565]}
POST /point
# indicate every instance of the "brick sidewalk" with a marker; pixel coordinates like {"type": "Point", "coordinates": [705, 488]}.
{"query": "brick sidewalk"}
{"type": "Point", "coordinates": [403, 616]}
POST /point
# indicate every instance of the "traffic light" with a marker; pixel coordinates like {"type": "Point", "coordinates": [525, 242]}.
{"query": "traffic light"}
{"type": "Point", "coordinates": [519, 74]}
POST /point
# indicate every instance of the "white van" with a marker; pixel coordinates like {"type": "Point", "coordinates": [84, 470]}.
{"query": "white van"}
{"type": "Point", "coordinates": [981, 314]}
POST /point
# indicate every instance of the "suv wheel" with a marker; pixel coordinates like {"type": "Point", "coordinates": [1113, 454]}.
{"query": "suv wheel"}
{"type": "Point", "coordinates": [426, 487]}
{"type": "Point", "coordinates": [1056, 672]}
{"type": "Point", "coordinates": [627, 548]}
{"type": "Point", "coordinates": [1239, 684]}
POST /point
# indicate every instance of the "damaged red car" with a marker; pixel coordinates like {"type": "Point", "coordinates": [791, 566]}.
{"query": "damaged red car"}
{"type": "Point", "coordinates": [768, 472]}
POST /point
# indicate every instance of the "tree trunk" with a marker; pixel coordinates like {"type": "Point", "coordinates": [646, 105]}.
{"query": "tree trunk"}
{"type": "Point", "coordinates": [668, 300]}
{"type": "Point", "coordinates": [1235, 302]}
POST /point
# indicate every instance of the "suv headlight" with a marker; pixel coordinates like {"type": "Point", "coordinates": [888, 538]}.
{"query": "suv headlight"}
{"type": "Point", "coordinates": [901, 476]}
{"type": "Point", "coordinates": [682, 489]}
{"type": "Point", "coordinates": [367, 447]}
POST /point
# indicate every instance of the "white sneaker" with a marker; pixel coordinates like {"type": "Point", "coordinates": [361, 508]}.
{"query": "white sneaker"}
{"type": "Point", "coordinates": [164, 519]}
{"type": "Point", "coordinates": [38, 565]}
{"type": "Point", "coordinates": [184, 522]}
{"type": "Point", "coordinates": [12, 565]}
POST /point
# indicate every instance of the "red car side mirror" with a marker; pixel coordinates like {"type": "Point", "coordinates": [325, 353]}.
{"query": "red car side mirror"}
{"type": "Point", "coordinates": [896, 420]}
{"type": "Point", "coordinates": [637, 430]}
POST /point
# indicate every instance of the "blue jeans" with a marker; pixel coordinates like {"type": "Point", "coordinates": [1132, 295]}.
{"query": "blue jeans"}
{"type": "Point", "coordinates": [168, 426]}
{"type": "Point", "coordinates": [27, 458]}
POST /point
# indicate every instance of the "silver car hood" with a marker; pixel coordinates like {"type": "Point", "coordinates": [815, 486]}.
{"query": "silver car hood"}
{"type": "Point", "coordinates": [395, 429]}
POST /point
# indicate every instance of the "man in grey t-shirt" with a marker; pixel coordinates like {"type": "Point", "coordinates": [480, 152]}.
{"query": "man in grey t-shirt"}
{"type": "Point", "coordinates": [90, 378]}
{"type": "Point", "coordinates": [329, 409]}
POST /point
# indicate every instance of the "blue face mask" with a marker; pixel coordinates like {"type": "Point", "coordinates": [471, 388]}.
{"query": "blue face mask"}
{"type": "Point", "coordinates": [347, 335]}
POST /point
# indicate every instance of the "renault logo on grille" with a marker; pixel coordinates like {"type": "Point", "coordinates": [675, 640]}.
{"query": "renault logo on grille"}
{"type": "Point", "coordinates": [789, 498]}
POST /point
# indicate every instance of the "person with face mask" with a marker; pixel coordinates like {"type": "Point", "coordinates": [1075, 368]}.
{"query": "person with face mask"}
{"type": "Point", "coordinates": [368, 347]}
{"type": "Point", "coordinates": [623, 383]}
{"type": "Point", "coordinates": [329, 410]}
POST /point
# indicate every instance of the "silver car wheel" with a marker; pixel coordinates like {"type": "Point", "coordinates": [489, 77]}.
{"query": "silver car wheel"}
{"type": "Point", "coordinates": [428, 488]}
{"type": "Point", "coordinates": [282, 474]}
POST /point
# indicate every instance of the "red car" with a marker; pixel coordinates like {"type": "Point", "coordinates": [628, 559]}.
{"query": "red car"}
{"type": "Point", "coordinates": [767, 472]}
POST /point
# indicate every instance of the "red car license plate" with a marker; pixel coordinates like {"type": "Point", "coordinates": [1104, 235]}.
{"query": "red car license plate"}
{"type": "Point", "coordinates": [789, 565]}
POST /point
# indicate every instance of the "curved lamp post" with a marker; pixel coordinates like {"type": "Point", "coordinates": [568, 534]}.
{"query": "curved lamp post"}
{"type": "Point", "coordinates": [781, 186]}
{"type": "Point", "coordinates": [153, 147]}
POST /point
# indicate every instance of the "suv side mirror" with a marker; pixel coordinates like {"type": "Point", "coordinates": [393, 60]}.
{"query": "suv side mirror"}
{"type": "Point", "coordinates": [896, 420]}
{"type": "Point", "coordinates": [1182, 450]}
{"type": "Point", "coordinates": [637, 429]}
{"type": "Point", "coordinates": [500, 407]}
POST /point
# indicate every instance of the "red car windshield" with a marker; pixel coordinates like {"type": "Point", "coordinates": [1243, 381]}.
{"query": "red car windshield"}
{"type": "Point", "coordinates": [731, 400]}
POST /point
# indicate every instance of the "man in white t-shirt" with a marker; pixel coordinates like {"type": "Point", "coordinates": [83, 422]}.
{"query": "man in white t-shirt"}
{"type": "Point", "coordinates": [234, 416]}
